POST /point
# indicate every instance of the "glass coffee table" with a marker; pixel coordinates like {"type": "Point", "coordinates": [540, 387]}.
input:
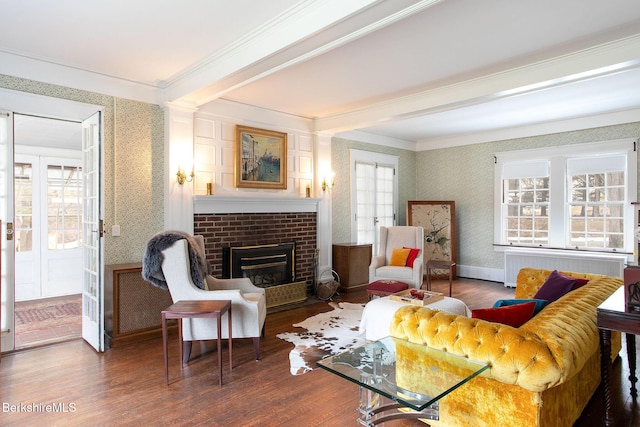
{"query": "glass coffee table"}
{"type": "Point", "coordinates": [399, 379]}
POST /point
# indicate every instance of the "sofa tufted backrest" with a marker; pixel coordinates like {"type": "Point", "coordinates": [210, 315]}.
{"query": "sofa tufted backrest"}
{"type": "Point", "coordinates": [529, 280]}
{"type": "Point", "coordinates": [546, 351]}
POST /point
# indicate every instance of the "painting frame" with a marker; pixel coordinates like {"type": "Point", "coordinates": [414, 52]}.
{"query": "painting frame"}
{"type": "Point", "coordinates": [266, 168]}
{"type": "Point", "coordinates": [438, 219]}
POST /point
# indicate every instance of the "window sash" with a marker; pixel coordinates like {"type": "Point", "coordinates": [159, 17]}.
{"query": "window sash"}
{"type": "Point", "coordinates": [605, 222]}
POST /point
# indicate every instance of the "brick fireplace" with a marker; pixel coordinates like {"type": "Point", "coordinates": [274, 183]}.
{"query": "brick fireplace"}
{"type": "Point", "coordinates": [225, 228]}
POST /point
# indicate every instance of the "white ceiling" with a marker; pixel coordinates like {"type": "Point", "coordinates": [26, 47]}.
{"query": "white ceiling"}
{"type": "Point", "coordinates": [430, 73]}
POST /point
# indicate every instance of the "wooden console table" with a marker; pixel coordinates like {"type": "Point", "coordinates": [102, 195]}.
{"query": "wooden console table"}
{"type": "Point", "coordinates": [613, 316]}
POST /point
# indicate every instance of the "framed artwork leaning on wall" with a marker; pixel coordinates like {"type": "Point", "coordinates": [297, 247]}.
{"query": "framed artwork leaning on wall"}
{"type": "Point", "coordinates": [438, 219]}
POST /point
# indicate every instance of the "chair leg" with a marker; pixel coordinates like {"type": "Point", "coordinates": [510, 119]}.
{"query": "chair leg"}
{"type": "Point", "coordinates": [186, 351]}
{"type": "Point", "coordinates": [256, 347]}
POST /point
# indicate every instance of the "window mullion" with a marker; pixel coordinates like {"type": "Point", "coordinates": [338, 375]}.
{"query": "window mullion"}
{"type": "Point", "coordinates": [558, 202]}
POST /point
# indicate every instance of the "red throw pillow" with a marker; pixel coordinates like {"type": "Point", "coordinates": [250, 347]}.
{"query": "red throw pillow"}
{"type": "Point", "coordinates": [555, 287]}
{"type": "Point", "coordinates": [512, 315]}
{"type": "Point", "coordinates": [413, 254]}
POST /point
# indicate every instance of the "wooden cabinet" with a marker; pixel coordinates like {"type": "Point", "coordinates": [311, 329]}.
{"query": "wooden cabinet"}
{"type": "Point", "coordinates": [133, 306]}
{"type": "Point", "coordinates": [631, 285]}
{"type": "Point", "coordinates": [351, 262]}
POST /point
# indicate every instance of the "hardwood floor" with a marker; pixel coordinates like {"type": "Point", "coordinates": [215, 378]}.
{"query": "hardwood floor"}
{"type": "Point", "coordinates": [125, 386]}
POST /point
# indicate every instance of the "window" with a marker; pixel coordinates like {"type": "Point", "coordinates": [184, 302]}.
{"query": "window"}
{"type": "Point", "coordinates": [571, 197]}
{"type": "Point", "coordinates": [374, 184]}
{"type": "Point", "coordinates": [527, 206]}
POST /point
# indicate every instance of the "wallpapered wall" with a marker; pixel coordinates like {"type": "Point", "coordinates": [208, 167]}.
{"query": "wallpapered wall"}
{"type": "Point", "coordinates": [341, 195]}
{"type": "Point", "coordinates": [465, 174]}
{"type": "Point", "coordinates": [133, 165]}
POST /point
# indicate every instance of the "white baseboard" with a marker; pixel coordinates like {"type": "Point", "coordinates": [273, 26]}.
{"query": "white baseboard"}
{"type": "Point", "coordinates": [481, 273]}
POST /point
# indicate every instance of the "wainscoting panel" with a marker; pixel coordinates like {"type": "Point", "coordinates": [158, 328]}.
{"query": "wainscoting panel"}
{"type": "Point", "coordinates": [580, 262]}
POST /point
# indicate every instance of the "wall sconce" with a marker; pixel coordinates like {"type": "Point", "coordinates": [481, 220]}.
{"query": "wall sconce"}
{"type": "Point", "coordinates": [328, 186]}
{"type": "Point", "coordinates": [182, 177]}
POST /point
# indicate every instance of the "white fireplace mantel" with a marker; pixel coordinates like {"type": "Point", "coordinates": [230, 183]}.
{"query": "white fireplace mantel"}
{"type": "Point", "coordinates": [225, 204]}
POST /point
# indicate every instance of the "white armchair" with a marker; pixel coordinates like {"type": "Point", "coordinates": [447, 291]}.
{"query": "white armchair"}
{"type": "Point", "coordinates": [247, 301]}
{"type": "Point", "coordinates": [397, 238]}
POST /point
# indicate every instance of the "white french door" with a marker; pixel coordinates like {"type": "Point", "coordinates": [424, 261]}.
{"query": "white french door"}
{"type": "Point", "coordinates": [43, 106]}
{"type": "Point", "coordinates": [7, 341]}
{"type": "Point", "coordinates": [48, 232]}
{"type": "Point", "coordinates": [374, 195]}
{"type": "Point", "coordinates": [92, 232]}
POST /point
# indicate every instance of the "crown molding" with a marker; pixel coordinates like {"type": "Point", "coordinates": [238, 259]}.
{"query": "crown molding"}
{"type": "Point", "coordinates": [372, 138]}
{"type": "Point", "coordinates": [250, 204]}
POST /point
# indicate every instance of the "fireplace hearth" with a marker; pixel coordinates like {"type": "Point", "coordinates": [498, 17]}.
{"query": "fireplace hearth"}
{"type": "Point", "coordinates": [269, 266]}
{"type": "Point", "coordinates": [236, 226]}
{"type": "Point", "coordinates": [265, 265]}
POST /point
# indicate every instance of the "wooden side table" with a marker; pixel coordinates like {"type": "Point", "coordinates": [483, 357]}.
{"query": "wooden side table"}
{"type": "Point", "coordinates": [197, 309]}
{"type": "Point", "coordinates": [613, 316]}
{"type": "Point", "coordinates": [434, 264]}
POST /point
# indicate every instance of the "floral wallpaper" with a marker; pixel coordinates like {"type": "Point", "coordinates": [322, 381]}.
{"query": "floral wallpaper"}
{"type": "Point", "coordinates": [133, 138]}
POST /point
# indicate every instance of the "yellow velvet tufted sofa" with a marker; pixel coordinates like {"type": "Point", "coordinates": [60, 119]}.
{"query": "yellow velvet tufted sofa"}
{"type": "Point", "coordinates": [541, 374]}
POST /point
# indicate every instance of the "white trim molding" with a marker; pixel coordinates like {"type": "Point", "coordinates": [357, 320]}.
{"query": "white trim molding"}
{"type": "Point", "coordinates": [221, 204]}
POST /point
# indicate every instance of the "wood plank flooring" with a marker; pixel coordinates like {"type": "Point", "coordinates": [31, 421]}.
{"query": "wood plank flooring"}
{"type": "Point", "coordinates": [125, 386]}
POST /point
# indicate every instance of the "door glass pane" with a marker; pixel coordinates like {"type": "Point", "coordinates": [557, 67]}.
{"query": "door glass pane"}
{"type": "Point", "coordinates": [24, 206]}
{"type": "Point", "coordinates": [384, 195]}
{"type": "Point", "coordinates": [375, 200]}
{"type": "Point", "coordinates": [365, 197]}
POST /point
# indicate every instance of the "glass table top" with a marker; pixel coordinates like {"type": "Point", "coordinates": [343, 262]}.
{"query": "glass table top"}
{"type": "Point", "coordinates": [413, 375]}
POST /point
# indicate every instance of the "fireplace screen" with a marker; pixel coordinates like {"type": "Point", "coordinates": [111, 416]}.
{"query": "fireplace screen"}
{"type": "Point", "coordinates": [265, 265]}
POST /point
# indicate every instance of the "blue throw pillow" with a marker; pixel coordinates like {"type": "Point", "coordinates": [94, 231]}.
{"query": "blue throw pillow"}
{"type": "Point", "coordinates": [540, 303]}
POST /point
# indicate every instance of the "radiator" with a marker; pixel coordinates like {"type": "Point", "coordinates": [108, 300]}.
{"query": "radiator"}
{"type": "Point", "coordinates": [594, 263]}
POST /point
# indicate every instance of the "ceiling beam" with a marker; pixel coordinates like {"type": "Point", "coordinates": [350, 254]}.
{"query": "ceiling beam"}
{"type": "Point", "coordinates": [313, 28]}
{"type": "Point", "coordinates": [586, 64]}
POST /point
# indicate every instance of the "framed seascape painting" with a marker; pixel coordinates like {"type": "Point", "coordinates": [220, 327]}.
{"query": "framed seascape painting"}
{"type": "Point", "coordinates": [438, 221]}
{"type": "Point", "coordinates": [261, 158]}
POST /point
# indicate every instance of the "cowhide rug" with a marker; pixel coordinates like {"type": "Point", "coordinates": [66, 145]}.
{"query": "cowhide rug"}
{"type": "Point", "coordinates": [327, 334]}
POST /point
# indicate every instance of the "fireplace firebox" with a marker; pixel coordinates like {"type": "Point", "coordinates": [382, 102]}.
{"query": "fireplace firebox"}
{"type": "Point", "coordinates": [265, 265]}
